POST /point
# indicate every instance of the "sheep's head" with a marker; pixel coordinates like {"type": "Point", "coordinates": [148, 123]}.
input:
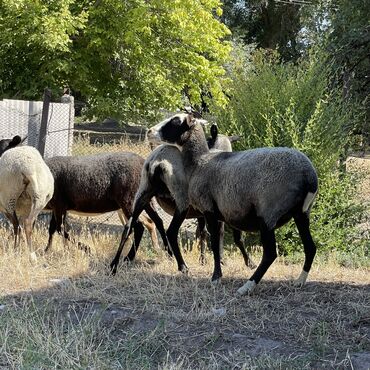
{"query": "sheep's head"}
{"type": "Point", "coordinates": [174, 130]}
{"type": "Point", "coordinates": [6, 144]}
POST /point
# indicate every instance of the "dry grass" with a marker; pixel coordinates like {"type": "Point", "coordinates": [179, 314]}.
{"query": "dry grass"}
{"type": "Point", "coordinates": [361, 165]}
{"type": "Point", "coordinates": [64, 311]}
{"type": "Point", "coordinates": [82, 146]}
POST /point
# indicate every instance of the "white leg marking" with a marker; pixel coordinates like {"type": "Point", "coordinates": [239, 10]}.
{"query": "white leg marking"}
{"type": "Point", "coordinates": [310, 197]}
{"type": "Point", "coordinates": [248, 287]}
{"type": "Point", "coordinates": [302, 279]}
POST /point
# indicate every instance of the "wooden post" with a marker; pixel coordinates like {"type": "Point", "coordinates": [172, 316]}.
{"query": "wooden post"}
{"type": "Point", "coordinates": [69, 99]}
{"type": "Point", "coordinates": [44, 121]}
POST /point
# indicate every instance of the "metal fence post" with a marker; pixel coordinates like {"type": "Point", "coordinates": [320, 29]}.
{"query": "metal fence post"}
{"type": "Point", "coordinates": [44, 121]}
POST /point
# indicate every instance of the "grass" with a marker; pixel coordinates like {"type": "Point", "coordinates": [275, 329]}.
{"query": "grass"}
{"type": "Point", "coordinates": [65, 311]}
{"type": "Point", "coordinates": [82, 146]}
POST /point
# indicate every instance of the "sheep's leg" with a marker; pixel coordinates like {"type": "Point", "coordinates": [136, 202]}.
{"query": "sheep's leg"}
{"type": "Point", "coordinates": [122, 217]}
{"type": "Point", "coordinates": [159, 224]}
{"type": "Point", "coordinates": [268, 257]}
{"type": "Point", "coordinates": [202, 239]}
{"type": "Point", "coordinates": [150, 226]}
{"type": "Point", "coordinates": [52, 229]}
{"type": "Point", "coordinates": [172, 235]}
{"type": "Point", "coordinates": [213, 226]}
{"type": "Point", "coordinates": [222, 234]}
{"type": "Point", "coordinates": [56, 222]}
{"type": "Point", "coordinates": [28, 225]}
{"type": "Point", "coordinates": [11, 215]}
{"type": "Point", "coordinates": [125, 236]}
{"type": "Point", "coordinates": [237, 234]}
{"type": "Point", "coordinates": [303, 225]}
{"type": "Point", "coordinates": [115, 261]}
{"type": "Point", "coordinates": [138, 234]}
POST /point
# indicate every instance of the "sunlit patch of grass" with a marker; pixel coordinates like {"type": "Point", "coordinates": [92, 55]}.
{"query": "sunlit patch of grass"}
{"type": "Point", "coordinates": [82, 146]}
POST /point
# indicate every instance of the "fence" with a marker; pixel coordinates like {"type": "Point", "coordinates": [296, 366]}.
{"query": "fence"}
{"type": "Point", "coordinates": [50, 126]}
{"type": "Point", "coordinates": [24, 118]}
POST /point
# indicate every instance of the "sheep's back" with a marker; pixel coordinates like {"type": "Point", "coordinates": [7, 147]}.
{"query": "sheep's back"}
{"type": "Point", "coordinates": [96, 183]}
{"type": "Point", "coordinates": [265, 182]}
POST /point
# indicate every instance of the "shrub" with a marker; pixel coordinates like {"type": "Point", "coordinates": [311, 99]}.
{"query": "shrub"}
{"type": "Point", "coordinates": [275, 104]}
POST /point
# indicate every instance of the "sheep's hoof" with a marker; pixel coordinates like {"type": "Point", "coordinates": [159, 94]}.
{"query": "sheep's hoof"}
{"type": "Point", "coordinates": [113, 268]}
{"type": "Point", "coordinates": [33, 257]}
{"type": "Point", "coordinates": [184, 269]}
{"type": "Point", "coordinates": [247, 288]}
{"type": "Point", "coordinates": [301, 280]}
{"type": "Point", "coordinates": [84, 248]}
{"type": "Point", "coordinates": [250, 264]}
{"type": "Point", "coordinates": [216, 282]}
{"type": "Point", "coordinates": [202, 260]}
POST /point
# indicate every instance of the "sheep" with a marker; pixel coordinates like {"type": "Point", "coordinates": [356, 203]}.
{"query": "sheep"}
{"type": "Point", "coordinates": [253, 190]}
{"type": "Point", "coordinates": [163, 176]}
{"type": "Point", "coordinates": [97, 184]}
{"type": "Point", "coordinates": [26, 186]}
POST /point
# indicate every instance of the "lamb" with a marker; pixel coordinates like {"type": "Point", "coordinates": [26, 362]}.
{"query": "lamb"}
{"type": "Point", "coordinates": [26, 186]}
{"type": "Point", "coordinates": [163, 176]}
{"type": "Point", "coordinates": [97, 184]}
{"type": "Point", "coordinates": [256, 190]}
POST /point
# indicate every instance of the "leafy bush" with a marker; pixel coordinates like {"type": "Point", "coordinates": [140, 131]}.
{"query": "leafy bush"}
{"type": "Point", "coordinates": [275, 104]}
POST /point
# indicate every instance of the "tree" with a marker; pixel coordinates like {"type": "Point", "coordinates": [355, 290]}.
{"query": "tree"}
{"type": "Point", "coordinates": [128, 58]}
{"type": "Point", "coordinates": [341, 29]}
{"type": "Point", "coordinates": [270, 24]}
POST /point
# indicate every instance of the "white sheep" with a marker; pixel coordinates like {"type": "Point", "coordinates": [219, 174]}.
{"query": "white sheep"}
{"type": "Point", "coordinates": [26, 186]}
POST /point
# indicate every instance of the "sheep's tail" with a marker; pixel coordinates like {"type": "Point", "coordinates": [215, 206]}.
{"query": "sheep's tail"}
{"type": "Point", "coordinates": [311, 194]}
{"type": "Point", "coordinates": [32, 186]}
{"type": "Point", "coordinates": [308, 202]}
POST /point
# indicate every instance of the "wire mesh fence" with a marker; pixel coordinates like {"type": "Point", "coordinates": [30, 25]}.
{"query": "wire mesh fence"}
{"type": "Point", "coordinates": [54, 134]}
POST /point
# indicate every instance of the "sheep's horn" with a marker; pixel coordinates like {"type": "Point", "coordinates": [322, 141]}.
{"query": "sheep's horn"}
{"type": "Point", "coordinates": [234, 138]}
{"type": "Point", "coordinates": [191, 110]}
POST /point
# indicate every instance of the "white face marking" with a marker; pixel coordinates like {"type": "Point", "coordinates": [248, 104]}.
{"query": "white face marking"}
{"type": "Point", "coordinates": [302, 279]}
{"type": "Point", "coordinates": [248, 287]}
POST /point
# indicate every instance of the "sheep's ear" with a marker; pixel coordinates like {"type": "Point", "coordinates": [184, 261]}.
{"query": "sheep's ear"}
{"type": "Point", "coordinates": [195, 117]}
{"type": "Point", "coordinates": [15, 141]}
{"type": "Point", "coordinates": [214, 131]}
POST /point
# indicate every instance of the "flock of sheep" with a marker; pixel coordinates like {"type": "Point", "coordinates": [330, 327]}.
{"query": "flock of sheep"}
{"type": "Point", "coordinates": [190, 177]}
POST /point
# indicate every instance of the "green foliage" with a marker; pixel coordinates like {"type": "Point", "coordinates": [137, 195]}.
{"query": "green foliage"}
{"type": "Point", "coordinates": [129, 58]}
{"type": "Point", "coordinates": [341, 28]}
{"type": "Point", "coordinates": [269, 24]}
{"type": "Point", "coordinates": [276, 104]}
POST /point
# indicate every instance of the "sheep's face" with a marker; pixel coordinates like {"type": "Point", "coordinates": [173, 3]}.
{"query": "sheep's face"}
{"type": "Point", "coordinates": [6, 144]}
{"type": "Point", "coordinates": [173, 130]}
